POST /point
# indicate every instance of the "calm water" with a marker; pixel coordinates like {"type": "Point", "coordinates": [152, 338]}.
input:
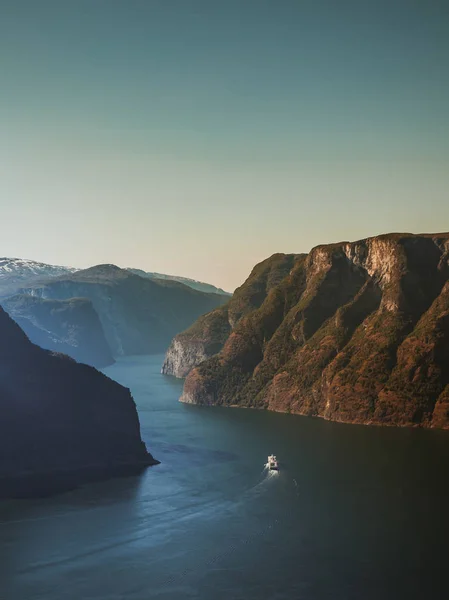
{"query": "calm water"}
{"type": "Point", "coordinates": [355, 513]}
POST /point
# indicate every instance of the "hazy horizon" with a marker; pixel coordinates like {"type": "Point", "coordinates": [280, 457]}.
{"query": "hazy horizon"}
{"type": "Point", "coordinates": [198, 138]}
{"type": "Point", "coordinates": [147, 269]}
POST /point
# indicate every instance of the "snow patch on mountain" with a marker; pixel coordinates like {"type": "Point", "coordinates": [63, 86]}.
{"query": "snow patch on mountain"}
{"type": "Point", "coordinates": [15, 272]}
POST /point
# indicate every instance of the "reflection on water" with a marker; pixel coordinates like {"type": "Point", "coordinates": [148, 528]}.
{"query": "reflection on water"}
{"type": "Point", "coordinates": [354, 512]}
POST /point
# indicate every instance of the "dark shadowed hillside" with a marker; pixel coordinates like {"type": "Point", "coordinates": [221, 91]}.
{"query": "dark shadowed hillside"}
{"type": "Point", "coordinates": [193, 283]}
{"type": "Point", "coordinates": [61, 423]}
{"type": "Point", "coordinates": [138, 315]}
{"type": "Point", "coordinates": [68, 326]}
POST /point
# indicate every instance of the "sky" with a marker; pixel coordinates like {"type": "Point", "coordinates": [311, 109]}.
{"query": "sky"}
{"type": "Point", "coordinates": [198, 137]}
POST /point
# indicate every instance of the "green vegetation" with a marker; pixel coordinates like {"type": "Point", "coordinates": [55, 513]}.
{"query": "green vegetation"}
{"type": "Point", "coordinates": [352, 332]}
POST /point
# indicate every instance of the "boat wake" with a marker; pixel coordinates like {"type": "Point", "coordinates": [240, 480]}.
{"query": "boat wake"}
{"type": "Point", "coordinates": [264, 479]}
{"type": "Point", "coordinates": [269, 472]}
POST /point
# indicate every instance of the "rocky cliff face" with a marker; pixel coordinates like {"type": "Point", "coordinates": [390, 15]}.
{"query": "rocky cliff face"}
{"type": "Point", "coordinates": [355, 332]}
{"type": "Point", "coordinates": [138, 315]}
{"type": "Point", "coordinates": [62, 423]}
{"type": "Point", "coordinates": [204, 339]}
{"type": "Point", "coordinates": [68, 326]}
{"type": "Point", "coordinates": [208, 335]}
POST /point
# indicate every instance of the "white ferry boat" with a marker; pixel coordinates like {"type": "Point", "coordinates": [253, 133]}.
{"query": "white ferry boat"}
{"type": "Point", "coordinates": [272, 463]}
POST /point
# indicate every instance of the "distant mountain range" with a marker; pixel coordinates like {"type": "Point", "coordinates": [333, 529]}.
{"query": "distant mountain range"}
{"type": "Point", "coordinates": [139, 315]}
{"type": "Point", "coordinates": [69, 326]}
{"type": "Point", "coordinates": [16, 272]}
{"type": "Point", "coordinates": [196, 285]}
{"type": "Point", "coordinates": [104, 311]}
{"type": "Point", "coordinates": [352, 332]}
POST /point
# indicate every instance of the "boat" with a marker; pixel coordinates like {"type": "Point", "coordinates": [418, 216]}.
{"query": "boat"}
{"type": "Point", "coordinates": [272, 463]}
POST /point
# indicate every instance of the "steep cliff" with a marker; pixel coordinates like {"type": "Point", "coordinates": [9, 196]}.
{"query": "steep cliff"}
{"type": "Point", "coordinates": [356, 332]}
{"type": "Point", "coordinates": [62, 423]}
{"type": "Point", "coordinates": [207, 336]}
{"type": "Point", "coordinates": [138, 315]}
{"type": "Point", "coordinates": [68, 326]}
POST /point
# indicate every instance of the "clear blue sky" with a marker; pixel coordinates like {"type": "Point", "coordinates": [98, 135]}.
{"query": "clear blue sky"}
{"type": "Point", "coordinates": [197, 137]}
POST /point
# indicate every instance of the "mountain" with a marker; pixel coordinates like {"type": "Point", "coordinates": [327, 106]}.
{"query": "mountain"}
{"type": "Point", "coordinates": [195, 285]}
{"type": "Point", "coordinates": [138, 315]}
{"type": "Point", "coordinates": [138, 312]}
{"type": "Point", "coordinates": [61, 423]}
{"type": "Point", "coordinates": [209, 333]}
{"type": "Point", "coordinates": [354, 332]}
{"type": "Point", "coordinates": [68, 326]}
{"type": "Point", "coordinates": [17, 272]}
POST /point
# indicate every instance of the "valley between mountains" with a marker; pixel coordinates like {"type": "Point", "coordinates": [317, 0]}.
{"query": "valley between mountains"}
{"type": "Point", "coordinates": [356, 332]}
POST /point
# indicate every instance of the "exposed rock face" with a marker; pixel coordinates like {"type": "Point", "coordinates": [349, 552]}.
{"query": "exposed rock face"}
{"type": "Point", "coordinates": [62, 423]}
{"type": "Point", "coordinates": [181, 358]}
{"type": "Point", "coordinates": [208, 335]}
{"type": "Point", "coordinates": [356, 332]}
{"type": "Point", "coordinates": [139, 315]}
{"type": "Point", "coordinates": [68, 326]}
{"type": "Point", "coordinates": [204, 339]}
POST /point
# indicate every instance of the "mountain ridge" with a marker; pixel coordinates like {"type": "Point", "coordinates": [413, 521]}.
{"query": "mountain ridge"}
{"type": "Point", "coordinates": [14, 270]}
{"type": "Point", "coordinates": [193, 283]}
{"type": "Point", "coordinates": [356, 332]}
{"type": "Point", "coordinates": [139, 315]}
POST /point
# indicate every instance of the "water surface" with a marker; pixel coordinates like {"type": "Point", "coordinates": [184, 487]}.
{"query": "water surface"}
{"type": "Point", "coordinates": [355, 512]}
